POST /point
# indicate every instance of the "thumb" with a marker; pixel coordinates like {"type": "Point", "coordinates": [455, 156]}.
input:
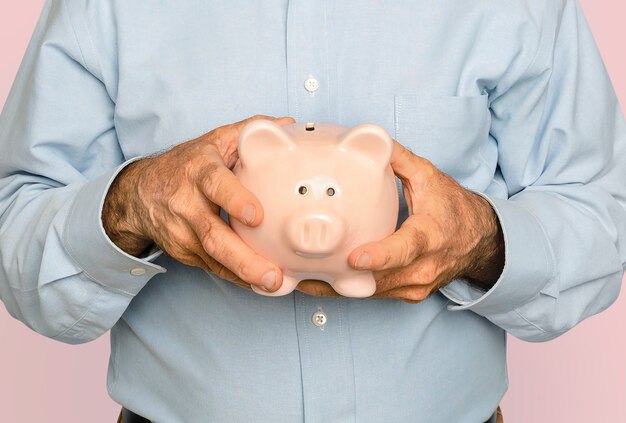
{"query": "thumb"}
{"type": "Point", "coordinates": [405, 164]}
{"type": "Point", "coordinates": [282, 121]}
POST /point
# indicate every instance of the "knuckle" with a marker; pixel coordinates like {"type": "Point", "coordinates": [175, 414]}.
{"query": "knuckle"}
{"type": "Point", "coordinates": [424, 164]}
{"type": "Point", "coordinates": [427, 274]}
{"type": "Point", "coordinates": [179, 253]}
{"type": "Point", "coordinates": [188, 171]}
{"type": "Point", "coordinates": [258, 116]}
{"type": "Point", "coordinates": [417, 295]}
{"type": "Point", "coordinates": [216, 182]}
{"type": "Point", "coordinates": [177, 204]}
{"type": "Point", "coordinates": [406, 256]}
{"type": "Point", "coordinates": [196, 165]}
{"type": "Point", "coordinates": [411, 245]}
{"type": "Point", "coordinates": [220, 251]}
{"type": "Point", "coordinates": [423, 173]}
{"type": "Point", "coordinates": [388, 260]}
{"type": "Point", "coordinates": [414, 294]}
{"type": "Point", "coordinates": [174, 240]}
{"type": "Point", "coordinates": [406, 153]}
{"type": "Point", "coordinates": [175, 252]}
{"type": "Point", "coordinates": [389, 281]}
{"type": "Point", "coordinates": [209, 245]}
{"type": "Point", "coordinates": [218, 132]}
{"type": "Point", "coordinates": [207, 239]}
{"type": "Point", "coordinates": [211, 171]}
{"type": "Point", "coordinates": [245, 270]}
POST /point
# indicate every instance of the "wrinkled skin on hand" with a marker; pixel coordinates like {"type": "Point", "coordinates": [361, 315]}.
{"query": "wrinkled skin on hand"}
{"type": "Point", "coordinates": [450, 233]}
{"type": "Point", "coordinates": [173, 200]}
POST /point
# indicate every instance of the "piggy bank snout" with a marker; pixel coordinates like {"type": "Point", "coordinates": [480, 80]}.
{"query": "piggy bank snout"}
{"type": "Point", "coordinates": [315, 236]}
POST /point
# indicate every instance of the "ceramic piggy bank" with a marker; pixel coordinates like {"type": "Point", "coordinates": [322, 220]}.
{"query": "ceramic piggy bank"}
{"type": "Point", "coordinates": [325, 190]}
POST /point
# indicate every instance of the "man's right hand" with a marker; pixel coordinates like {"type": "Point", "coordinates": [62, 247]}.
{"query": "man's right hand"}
{"type": "Point", "coordinates": [173, 200]}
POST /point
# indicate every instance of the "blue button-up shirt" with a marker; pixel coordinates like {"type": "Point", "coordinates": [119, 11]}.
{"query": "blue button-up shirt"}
{"type": "Point", "coordinates": [508, 97]}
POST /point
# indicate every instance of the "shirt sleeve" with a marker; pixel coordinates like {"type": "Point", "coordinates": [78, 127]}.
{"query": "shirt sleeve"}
{"type": "Point", "coordinates": [59, 272]}
{"type": "Point", "coordinates": [561, 141]}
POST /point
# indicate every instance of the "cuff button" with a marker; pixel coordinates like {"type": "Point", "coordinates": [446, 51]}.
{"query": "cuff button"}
{"type": "Point", "coordinates": [138, 271]}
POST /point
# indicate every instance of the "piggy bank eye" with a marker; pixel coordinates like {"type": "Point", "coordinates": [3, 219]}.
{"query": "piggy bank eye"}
{"type": "Point", "coordinates": [303, 190]}
{"type": "Point", "coordinates": [330, 192]}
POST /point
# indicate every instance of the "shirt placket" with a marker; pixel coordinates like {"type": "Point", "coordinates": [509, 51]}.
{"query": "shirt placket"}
{"type": "Point", "coordinates": [326, 360]}
{"type": "Point", "coordinates": [322, 326]}
{"type": "Point", "coordinates": [310, 85]}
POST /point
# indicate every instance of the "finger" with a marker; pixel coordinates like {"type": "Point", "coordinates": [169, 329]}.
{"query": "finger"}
{"type": "Point", "coordinates": [214, 267]}
{"type": "Point", "coordinates": [282, 121]}
{"type": "Point", "coordinates": [408, 166]}
{"type": "Point", "coordinates": [223, 245]}
{"type": "Point", "coordinates": [397, 250]}
{"type": "Point", "coordinates": [183, 245]}
{"type": "Point", "coordinates": [240, 284]}
{"type": "Point", "coordinates": [317, 288]}
{"type": "Point", "coordinates": [211, 265]}
{"type": "Point", "coordinates": [425, 274]}
{"type": "Point", "coordinates": [411, 293]}
{"type": "Point", "coordinates": [388, 280]}
{"type": "Point", "coordinates": [222, 187]}
{"type": "Point", "coordinates": [225, 137]}
{"type": "Point", "coordinates": [207, 263]}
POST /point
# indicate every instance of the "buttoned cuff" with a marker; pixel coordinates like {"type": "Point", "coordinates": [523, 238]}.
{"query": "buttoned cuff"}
{"type": "Point", "coordinates": [528, 267]}
{"type": "Point", "coordinates": [89, 246]}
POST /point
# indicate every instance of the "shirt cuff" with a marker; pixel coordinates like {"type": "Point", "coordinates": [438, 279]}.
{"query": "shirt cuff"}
{"type": "Point", "coordinates": [528, 267]}
{"type": "Point", "coordinates": [87, 243]}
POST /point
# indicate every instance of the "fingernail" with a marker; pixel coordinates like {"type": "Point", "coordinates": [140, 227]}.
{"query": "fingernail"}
{"type": "Point", "coordinates": [249, 213]}
{"type": "Point", "coordinates": [362, 261]}
{"type": "Point", "coordinates": [269, 280]}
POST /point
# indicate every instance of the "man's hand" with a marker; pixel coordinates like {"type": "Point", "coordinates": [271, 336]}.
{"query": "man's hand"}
{"type": "Point", "coordinates": [450, 233]}
{"type": "Point", "coordinates": [173, 200]}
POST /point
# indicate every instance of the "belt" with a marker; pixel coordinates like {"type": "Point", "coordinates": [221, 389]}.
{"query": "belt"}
{"type": "Point", "coordinates": [128, 416]}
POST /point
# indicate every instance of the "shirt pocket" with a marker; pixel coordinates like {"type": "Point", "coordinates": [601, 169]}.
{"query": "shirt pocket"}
{"type": "Point", "coordinates": [451, 132]}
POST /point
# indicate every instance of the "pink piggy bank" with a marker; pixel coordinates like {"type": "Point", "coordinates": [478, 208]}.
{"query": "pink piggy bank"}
{"type": "Point", "coordinates": [325, 190]}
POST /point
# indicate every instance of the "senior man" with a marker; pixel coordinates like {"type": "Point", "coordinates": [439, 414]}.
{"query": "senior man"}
{"type": "Point", "coordinates": [512, 216]}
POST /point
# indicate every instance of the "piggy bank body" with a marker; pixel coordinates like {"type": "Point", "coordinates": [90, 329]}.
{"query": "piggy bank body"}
{"type": "Point", "coordinates": [325, 190]}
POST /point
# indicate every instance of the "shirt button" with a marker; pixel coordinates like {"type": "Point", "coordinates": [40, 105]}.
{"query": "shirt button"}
{"type": "Point", "coordinates": [138, 271]}
{"type": "Point", "coordinates": [311, 84]}
{"type": "Point", "coordinates": [319, 318]}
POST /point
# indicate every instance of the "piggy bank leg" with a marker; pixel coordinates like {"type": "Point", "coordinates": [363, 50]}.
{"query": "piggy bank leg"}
{"type": "Point", "coordinates": [356, 285]}
{"type": "Point", "coordinates": [289, 284]}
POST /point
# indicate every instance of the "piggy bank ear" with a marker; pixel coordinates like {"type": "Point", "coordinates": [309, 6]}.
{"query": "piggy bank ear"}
{"type": "Point", "coordinates": [260, 140]}
{"type": "Point", "coordinates": [369, 140]}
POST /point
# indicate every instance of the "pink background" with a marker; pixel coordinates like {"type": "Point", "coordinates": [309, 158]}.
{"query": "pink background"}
{"type": "Point", "coordinates": [580, 377]}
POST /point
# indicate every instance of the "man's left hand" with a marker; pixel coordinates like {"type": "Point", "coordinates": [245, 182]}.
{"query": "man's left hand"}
{"type": "Point", "coordinates": [450, 233]}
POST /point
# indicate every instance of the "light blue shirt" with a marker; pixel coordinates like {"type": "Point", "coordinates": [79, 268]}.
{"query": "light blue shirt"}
{"type": "Point", "coordinates": [509, 97]}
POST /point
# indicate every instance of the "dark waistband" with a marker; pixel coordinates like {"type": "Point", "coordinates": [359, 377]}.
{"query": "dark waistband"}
{"type": "Point", "coordinates": [130, 417]}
